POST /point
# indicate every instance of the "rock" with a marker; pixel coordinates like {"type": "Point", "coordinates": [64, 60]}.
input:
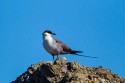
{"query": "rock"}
{"type": "Point", "coordinates": [70, 72]}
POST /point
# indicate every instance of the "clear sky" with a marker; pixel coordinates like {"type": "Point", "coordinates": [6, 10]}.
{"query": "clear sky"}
{"type": "Point", "coordinates": [96, 27]}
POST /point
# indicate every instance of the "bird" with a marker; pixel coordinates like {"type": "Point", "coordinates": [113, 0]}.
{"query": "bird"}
{"type": "Point", "coordinates": [56, 47]}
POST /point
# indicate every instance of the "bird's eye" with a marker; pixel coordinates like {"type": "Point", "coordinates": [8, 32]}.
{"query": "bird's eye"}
{"type": "Point", "coordinates": [47, 31]}
{"type": "Point", "coordinates": [50, 32]}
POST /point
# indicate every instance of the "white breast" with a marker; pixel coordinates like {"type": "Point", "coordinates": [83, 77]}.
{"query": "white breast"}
{"type": "Point", "coordinates": [49, 45]}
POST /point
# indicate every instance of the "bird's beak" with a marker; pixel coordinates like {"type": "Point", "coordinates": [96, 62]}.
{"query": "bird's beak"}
{"type": "Point", "coordinates": [53, 34]}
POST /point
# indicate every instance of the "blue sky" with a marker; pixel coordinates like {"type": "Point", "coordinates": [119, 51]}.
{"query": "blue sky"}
{"type": "Point", "coordinates": [96, 27]}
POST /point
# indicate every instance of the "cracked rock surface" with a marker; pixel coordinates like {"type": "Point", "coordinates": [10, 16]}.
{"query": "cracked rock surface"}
{"type": "Point", "coordinates": [67, 72]}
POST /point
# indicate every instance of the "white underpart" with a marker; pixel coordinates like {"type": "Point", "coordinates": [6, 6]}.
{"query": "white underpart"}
{"type": "Point", "coordinates": [49, 44]}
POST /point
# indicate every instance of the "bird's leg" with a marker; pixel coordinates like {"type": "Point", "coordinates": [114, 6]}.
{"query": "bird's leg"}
{"type": "Point", "coordinates": [57, 56]}
{"type": "Point", "coordinates": [53, 56]}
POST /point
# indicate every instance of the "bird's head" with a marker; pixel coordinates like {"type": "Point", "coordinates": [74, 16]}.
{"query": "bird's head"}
{"type": "Point", "coordinates": [48, 33]}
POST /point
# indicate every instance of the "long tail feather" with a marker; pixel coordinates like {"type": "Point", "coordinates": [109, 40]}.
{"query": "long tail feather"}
{"type": "Point", "coordinates": [86, 56]}
{"type": "Point", "coordinates": [75, 53]}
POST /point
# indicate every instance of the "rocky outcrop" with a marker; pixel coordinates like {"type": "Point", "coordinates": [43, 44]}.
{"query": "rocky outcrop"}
{"type": "Point", "coordinates": [70, 72]}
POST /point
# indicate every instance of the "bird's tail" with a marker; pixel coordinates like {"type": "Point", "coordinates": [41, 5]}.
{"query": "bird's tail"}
{"type": "Point", "coordinates": [76, 53]}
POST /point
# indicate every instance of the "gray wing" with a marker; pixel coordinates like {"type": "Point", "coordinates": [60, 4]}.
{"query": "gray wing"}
{"type": "Point", "coordinates": [64, 47]}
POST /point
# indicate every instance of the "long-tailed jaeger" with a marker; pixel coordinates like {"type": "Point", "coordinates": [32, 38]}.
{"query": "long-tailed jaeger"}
{"type": "Point", "coordinates": [56, 47]}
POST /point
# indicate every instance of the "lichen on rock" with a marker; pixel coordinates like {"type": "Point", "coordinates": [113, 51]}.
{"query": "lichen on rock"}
{"type": "Point", "coordinates": [61, 71]}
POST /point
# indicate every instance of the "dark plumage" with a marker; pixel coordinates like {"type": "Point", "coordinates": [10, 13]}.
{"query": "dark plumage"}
{"type": "Point", "coordinates": [56, 47]}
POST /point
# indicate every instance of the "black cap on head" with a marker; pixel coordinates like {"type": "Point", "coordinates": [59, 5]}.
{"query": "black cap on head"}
{"type": "Point", "coordinates": [48, 31]}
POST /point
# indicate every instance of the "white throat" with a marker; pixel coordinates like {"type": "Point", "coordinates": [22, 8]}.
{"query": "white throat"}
{"type": "Point", "coordinates": [48, 44]}
{"type": "Point", "coordinates": [48, 39]}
